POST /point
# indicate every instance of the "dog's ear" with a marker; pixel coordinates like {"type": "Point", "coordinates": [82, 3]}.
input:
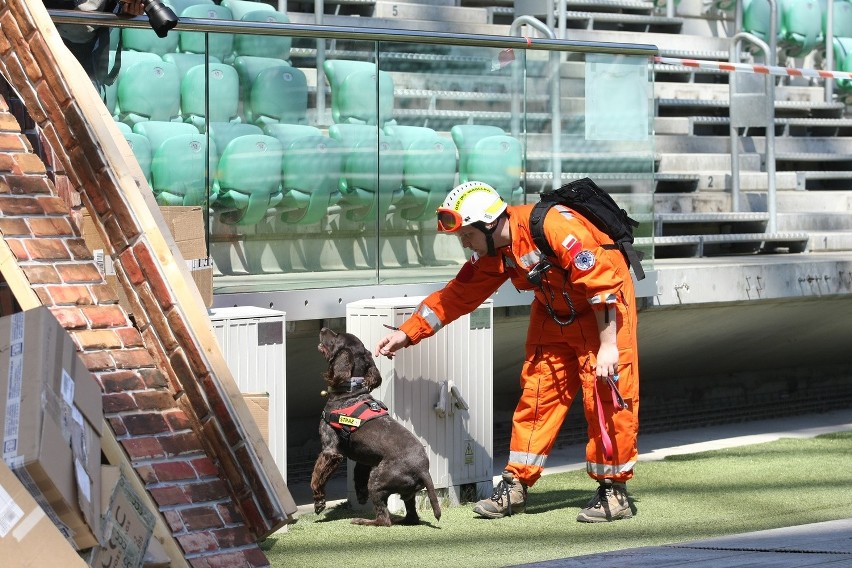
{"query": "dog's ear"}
{"type": "Point", "coordinates": [372, 378]}
{"type": "Point", "coordinates": [341, 368]}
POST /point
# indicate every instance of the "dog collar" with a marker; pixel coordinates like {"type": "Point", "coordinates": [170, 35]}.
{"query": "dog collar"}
{"type": "Point", "coordinates": [355, 383]}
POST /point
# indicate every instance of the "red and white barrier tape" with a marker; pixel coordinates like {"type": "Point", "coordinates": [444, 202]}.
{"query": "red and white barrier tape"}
{"type": "Point", "coordinates": [759, 69]}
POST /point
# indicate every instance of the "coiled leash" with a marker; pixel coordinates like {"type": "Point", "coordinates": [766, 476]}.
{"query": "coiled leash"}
{"type": "Point", "coordinates": [618, 402]}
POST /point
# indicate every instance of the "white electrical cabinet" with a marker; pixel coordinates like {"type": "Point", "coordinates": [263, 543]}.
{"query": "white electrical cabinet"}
{"type": "Point", "coordinates": [252, 342]}
{"type": "Point", "coordinates": [441, 390]}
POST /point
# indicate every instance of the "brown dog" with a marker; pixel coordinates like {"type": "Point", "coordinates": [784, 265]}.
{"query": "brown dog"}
{"type": "Point", "coordinates": [389, 459]}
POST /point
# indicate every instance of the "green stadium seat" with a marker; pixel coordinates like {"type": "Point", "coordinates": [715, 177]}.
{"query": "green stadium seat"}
{"type": "Point", "coordinates": [801, 26]}
{"type": "Point", "coordinates": [756, 19]}
{"type": "Point", "coordinates": [148, 90]}
{"type": "Point", "coordinates": [221, 133]}
{"type": "Point", "coordinates": [310, 172]}
{"type": "Point", "coordinates": [843, 61]}
{"type": "Point", "coordinates": [146, 40]}
{"type": "Point", "coordinates": [181, 162]}
{"type": "Point", "coordinates": [278, 94]}
{"type": "Point", "coordinates": [248, 67]}
{"type": "Point", "coordinates": [428, 173]}
{"type": "Point", "coordinates": [123, 128]}
{"type": "Point", "coordinates": [249, 179]}
{"type": "Point", "coordinates": [841, 18]}
{"type": "Point", "coordinates": [219, 45]}
{"type": "Point", "coordinates": [372, 171]}
{"type": "Point", "coordinates": [180, 5]}
{"type": "Point", "coordinates": [466, 136]}
{"type": "Point", "coordinates": [354, 97]}
{"type": "Point", "coordinates": [242, 7]}
{"type": "Point", "coordinates": [186, 61]}
{"type": "Point", "coordinates": [492, 157]}
{"type": "Point", "coordinates": [141, 147]}
{"type": "Point", "coordinates": [276, 47]}
{"type": "Point", "coordinates": [223, 100]}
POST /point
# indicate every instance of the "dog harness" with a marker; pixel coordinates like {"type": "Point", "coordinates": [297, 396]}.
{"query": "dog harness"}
{"type": "Point", "coordinates": [346, 420]}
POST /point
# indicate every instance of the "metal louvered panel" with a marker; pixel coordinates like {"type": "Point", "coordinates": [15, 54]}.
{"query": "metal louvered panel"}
{"type": "Point", "coordinates": [252, 342]}
{"type": "Point", "coordinates": [418, 389]}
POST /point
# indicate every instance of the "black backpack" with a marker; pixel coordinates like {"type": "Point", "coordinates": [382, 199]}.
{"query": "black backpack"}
{"type": "Point", "coordinates": [596, 205]}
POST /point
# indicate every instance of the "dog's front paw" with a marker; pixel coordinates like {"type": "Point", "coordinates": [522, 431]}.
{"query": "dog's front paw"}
{"type": "Point", "coordinates": [319, 506]}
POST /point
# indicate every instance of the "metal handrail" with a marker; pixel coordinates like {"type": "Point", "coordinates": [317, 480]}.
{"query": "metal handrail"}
{"type": "Point", "coordinates": [555, 96]}
{"type": "Point", "coordinates": [353, 33]}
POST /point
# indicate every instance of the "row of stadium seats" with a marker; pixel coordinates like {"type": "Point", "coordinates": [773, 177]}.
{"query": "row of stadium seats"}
{"type": "Point", "coordinates": [257, 90]}
{"type": "Point", "coordinates": [296, 171]}
{"type": "Point", "coordinates": [225, 47]}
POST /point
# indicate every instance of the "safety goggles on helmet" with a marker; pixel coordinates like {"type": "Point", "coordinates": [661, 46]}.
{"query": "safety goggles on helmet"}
{"type": "Point", "coordinates": [449, 221]}
{"type": "Point", "coordinates": [471, 203]}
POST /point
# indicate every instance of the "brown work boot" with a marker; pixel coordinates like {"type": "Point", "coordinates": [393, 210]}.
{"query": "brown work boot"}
{"type": "Point", "coordinates": [609, 504]}
{"type": "Point", "coordinates": [509, 498]}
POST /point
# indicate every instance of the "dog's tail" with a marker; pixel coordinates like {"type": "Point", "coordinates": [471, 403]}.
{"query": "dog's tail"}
{"type": "Point", "coordinates": [433, 497]}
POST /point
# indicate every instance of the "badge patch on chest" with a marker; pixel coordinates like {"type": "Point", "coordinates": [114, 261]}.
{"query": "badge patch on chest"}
{"type": "Point", "coordinates": [584, 260]}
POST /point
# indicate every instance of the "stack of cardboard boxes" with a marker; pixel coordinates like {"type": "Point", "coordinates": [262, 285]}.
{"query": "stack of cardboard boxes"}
{"type": "Point", "coordinates": [52, 480]}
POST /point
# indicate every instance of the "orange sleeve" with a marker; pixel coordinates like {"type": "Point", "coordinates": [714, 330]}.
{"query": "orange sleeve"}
{"type": "Point", "coordinates": [475, 282]}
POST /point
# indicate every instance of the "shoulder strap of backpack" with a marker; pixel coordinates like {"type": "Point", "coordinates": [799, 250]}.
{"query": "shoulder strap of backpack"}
{"type": "Point", "coordinates": [537, 227]}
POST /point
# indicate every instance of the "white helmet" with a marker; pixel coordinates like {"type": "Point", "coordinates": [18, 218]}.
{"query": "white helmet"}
{"type": "Point", "coordinates": [469, 203]}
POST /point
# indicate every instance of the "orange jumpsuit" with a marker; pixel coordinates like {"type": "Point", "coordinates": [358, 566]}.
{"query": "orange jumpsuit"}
{"type": "Point", "coordinates": [560, 360]}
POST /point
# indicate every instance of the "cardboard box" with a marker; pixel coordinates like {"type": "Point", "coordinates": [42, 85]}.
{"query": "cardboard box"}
{"type": "Point", "coordinates": [27, 536]}
{"type": "Point", "coordinates": [128, 524]}
{"type": "Point", "coordinates": [187, 227]}
{"type": "Point", "coordinates": [258, 404]}
{"type": "Point", "coordinates": [52, 418]}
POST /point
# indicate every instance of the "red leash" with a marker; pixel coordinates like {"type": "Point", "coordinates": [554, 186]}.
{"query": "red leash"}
{"type": "Point", "coordinates": [618, 402]}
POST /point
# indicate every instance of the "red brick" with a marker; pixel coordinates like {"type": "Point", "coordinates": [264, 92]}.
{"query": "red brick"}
{"type": "Point", "coordinates": [47, 249]}
{"type": "Point", "coordinates": [117, 426]}
{"type": "Point", "coordinates": [70, 318]}
{"type": "Point", "coordinates": [178, 420]}
{"type": "Point", "coordinates": [201, 518]}
{"type": "Point", "coordinates": [79, 250]}
{"type": "Point", "coordinates": [14, 227]}
{"type": "Point", "coordinates": [130, 337]}
{"type": "Point", "coordinates": [153, 271]}
{"type": "Point", "coordinates": [223, 560]}
{"type": "Point", "coordinates": [146, 424]}
{"type": "Point", "coordinates": [143, 448]}
{"type": "Point", "coordinates": [174, 521]}
{"type": "Point", "coordinates": [146, 474]}
{"type": "Point", "coordinates": [28, 164]}
{"type": "Point", "coordinates": [118, 402]}
{"type": "Point", "coordinates": [131, 267]}
{"type": "Point", "coordinates": [51, 227]}
{"type": "Point", "coordinates": [233, 537]}
{"type": "Point", "coordinates": [69, 295]}
{"type": "Point", "coordinates": [221, 411]}
{"type": "Point", "coordinates": [196, 542]}
{"type": "Point", "coordinates": [103, 294]}
{"type": "Point", "coordinates": [212, 490]}
{"type": "Point", "coordinates": [205, 467]}
{"type": "Point", "coordinates": [132, 358]}
{"type": "Point", "coordinates": [97, 361]}
{"type": "Point", "coordinates": [173, 471]}
{"type": "Point", "coordinates": [120, 381]}
{"type": "Point", "coordinates": [155, 400]}
{"type": "Point", "coordinates": [53, 205]}
{"type": "Point", "coordinates": [79, 272]}
{"type": "Point", "coordinates": [105, 316]}
{"type": "Point", "coordinates": [181, 444]}
{"type": "Point", "coordinates": [169, 496]}
{"type": "Point", "coordinates": [18, 249]}
{"type": "Point", "coordinates": [229, 513]}
{"type": "Point", "coordinates": [153, 378]}
{"type": "Point", "coordinates": [93, 339]}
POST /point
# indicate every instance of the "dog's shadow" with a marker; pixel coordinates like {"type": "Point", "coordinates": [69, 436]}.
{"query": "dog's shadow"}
{"type": "Point", "coordinates": [344, 512]}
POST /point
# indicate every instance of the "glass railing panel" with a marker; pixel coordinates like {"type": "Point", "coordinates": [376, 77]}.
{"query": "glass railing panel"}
{"type": "Point", "coordinates": [321, 160]}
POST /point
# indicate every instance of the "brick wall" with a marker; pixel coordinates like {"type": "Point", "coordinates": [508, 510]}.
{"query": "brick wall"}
{"type": "Point", "coordinates": [167, 393]}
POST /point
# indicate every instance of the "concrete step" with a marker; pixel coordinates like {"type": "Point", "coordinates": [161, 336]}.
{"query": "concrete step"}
{"type": "Point", "coordinates": [397, 11]}
{"type": "Point", "coordinates": [692, 162]}
{"type": "Point", "coordinates": [815, 221]}
{"type": "Point", "coordinates": [814, 201]}
{"type": "Point", "coordinates": [830, 241]}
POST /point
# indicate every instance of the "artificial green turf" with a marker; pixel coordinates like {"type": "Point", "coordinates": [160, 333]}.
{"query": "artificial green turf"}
{"type": "Point", "coordinates": [722, 492]}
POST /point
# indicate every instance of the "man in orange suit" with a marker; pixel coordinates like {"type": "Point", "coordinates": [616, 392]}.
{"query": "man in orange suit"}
{"type": "Point", "coordinates": [581, 339]}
